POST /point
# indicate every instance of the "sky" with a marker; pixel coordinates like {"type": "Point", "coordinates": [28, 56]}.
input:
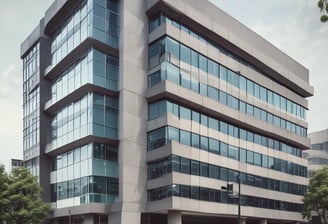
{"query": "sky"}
{"type": "Point", "coordinates": [292, 26]}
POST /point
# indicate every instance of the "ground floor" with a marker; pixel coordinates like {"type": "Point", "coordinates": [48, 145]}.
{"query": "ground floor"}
{"type": "Point", "coordinates": [170, 218]}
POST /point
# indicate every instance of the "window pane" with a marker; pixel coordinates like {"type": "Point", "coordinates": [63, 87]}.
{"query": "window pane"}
{"type": "Point", "coordinates": [204, 143]}
{"type": "Point", "coordinates": [214, 146]}
{"type": "Point", "coordinates": [185, 54]}
{"type": "Point", "coordinates": [195, 141]}
{"type": "Point", "coordinates": [185, 137]}
{"type": "Point", "coordinates": [203, 169]}
{"type": "Point", "coordinates": [185, 165]}
{"type": "Point", "coordinates": [173, 47]}
{"type": "Point", "coordinates": [250, 157]}
{"type": "Point", "coordinates": [223, 149]}
{"type": "Point", "coordinates": [202, 63]}
{"type": "Point", "coordinates": [195, 168]}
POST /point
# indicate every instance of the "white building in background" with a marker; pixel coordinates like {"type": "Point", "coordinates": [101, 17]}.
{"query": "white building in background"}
{"type": "Point", "coordinates": [318, 154]}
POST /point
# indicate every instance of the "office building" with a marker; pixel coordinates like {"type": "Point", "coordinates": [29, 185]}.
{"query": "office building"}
{"type": "Point", "coordinates": [318, 154]}
{"type": "Point", "coordinates": [139, 111]}
{"type": "Point", "coordinates": [16, 163]}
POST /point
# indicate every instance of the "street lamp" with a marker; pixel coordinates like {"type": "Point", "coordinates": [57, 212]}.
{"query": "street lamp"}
{"type": "Point", "coordinates": [229, 189]}
{"type": "Point", "coordinates": [69, 217]}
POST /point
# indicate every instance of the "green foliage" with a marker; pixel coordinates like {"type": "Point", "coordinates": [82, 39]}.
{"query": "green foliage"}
{"type": "Point", "coordinates": [3, 188]}
{"type": "Point", "coordinates": [316, 197]}
{"type": "Point", "coordinates": [20, 198]}
{"type": "Point", "coordinates": [323, 6]}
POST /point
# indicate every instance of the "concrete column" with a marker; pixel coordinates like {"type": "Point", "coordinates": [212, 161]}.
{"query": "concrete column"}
{"type": "Point", "coordinates": [88, 219]}
{"type": "Point", "coordinates": [174, 218]}
{"type": "Point", "coordinates": [263, 221]}
{"type": "Point", "coordinates": [242, 221]}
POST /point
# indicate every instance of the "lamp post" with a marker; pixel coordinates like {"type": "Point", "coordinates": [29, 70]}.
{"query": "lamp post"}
{"type": "Point", "coordinates": [229, 188]}
{"type": "Point", "coordinates": [238, 180]}
{"type": "Point", "coordinates": [69, 217]}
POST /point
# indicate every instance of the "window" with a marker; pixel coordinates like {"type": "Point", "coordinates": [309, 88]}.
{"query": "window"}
{"type": "Point", "coordinates": [204, 194]}
{"type": "Point", "coordinates": [213, 68]}
{"type": "Point", "coordinates": [213, 93]}
{"type": "Point", "coordinates": [257, 159]}
{"type": "Point", "coordinates": [214, 146]}
{"type": "Point", "coordinates": [185, 191]}
{"type": "Point", "coordinates": [223, 149]}
{"type": "Point", "coordinates": [204, 120]}
{"type": "Point", "coordinates": [214, 172]}
{"type": "Point", "coordinates": [204, 143]}
{"type": "Point", "coordinates": [242, 155]}
{"type": "Point", "coordinates": [185, 54]}
{"type": "Point", "coordinates": [185, 165]}
{"type": "Point", "coordinates": [203, 170]}
{"type": "Point", "coordinates": [233, 152]}
{"type": "Point", "coordinates": [194, 167]}
{"type": "Point", "coordinates": [185, 113]}
{"type": "Point", "coordinates": [173, 134]}
{"type": "Point", "coordinates": [242, 83]}
{"type": "Point", "coordinates": [156, 139]}
{"type": "Point", "coordinates": [173, 47]}
{"type": "Point", "coordinates": [196, 116]}
{"type": "Point", "coordinates": [194, 192]}
{"type": "Point", "coordinates": [223, 174]}
{"type": "Point", "coordinates": [185, 137]}
{"type": "Point", "coordinates": [195, 140]}
{"type": "Point", "coordinates": [202, 63]}
{"type": "Point", "coordinates": [223, 73]}
{"type": "Point", "coordinates": [213, 123]}
{"type": "Point", "coordinates": [250, 157]}
{"type": "Point", "coordinates": [185, 80]}
{"type": "Point", "coordinates": [194, 59]}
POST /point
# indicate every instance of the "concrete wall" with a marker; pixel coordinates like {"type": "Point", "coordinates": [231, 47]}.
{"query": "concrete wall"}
{"type": "Point", "coordinates": [133, 111]}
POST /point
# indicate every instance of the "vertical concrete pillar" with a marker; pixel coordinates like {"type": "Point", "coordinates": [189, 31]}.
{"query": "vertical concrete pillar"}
{"type": "Point", "coordinates": [88, 219]}
{"type": "Point", "coordinates": [174, 218]}
{"type": "Point", "coordinates": [263, 221]}
{"type": "Point", "coordinates": [242, 221]}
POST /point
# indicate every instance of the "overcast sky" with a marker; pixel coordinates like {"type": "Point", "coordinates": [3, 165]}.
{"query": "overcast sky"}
{"type": "Point", "coordinates": [292, 26]}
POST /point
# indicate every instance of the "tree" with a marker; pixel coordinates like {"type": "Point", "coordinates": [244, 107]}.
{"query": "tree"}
{"type": "Point", "coordinates": [316, 198]}
{"type": "Point", "coordinates": [323, 5]}
{"type": "Point", "coordinates": [21, 198]}
{"type": "Point", "coordinates": [3, 188]}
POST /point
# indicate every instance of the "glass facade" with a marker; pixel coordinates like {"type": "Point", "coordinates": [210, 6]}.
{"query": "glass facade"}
{"type": "Point", "coordinates": [318, 161]}
{"type": "Point", "coordinates": [95, 68]}
{"type": "Point", "coordinates": [93, 114]}
{"type": "Point", "coordinates": [31, 64]}
{"type": "Point", "coordinates": [89, 172]}
{"type": "Point", "coordinates": [98, 19]}
{"type": "Point", "coordinates": [214, 195]}
{"type": "Point", "coordinates": [31, 109]}
{"type": "Point", "coordinates": [33, 166]}
{"type": "Point", "coordinates": [320, 146]}
{"type": "Point", "coordinates": [160, 108]}
{"type": "Point", "coordinates": [164, 135]}
{"type": "Point", "coordinates": [189, 56]}
{"type": "Point", "coordinates": [31, 122]}
{"type": "Point", "coordinates": [173, 73]}
{"type": "Point", "coordinates": [187, 166]}
{"type": "Point", "coordinates": [31, 98]}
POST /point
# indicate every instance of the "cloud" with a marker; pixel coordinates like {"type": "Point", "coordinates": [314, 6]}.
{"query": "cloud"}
{"type": "Point", "coordinates": [11, 82]}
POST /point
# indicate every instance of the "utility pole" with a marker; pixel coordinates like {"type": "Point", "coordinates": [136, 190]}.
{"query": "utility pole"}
{"type": "Point", "coordinates": [238, 180]}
